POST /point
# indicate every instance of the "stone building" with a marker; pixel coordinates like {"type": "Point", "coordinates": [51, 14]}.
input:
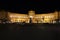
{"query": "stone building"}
{"type": "Point", "coordinates": [31, 17]}
{"type": "Point", "coordinates": [34, 18]}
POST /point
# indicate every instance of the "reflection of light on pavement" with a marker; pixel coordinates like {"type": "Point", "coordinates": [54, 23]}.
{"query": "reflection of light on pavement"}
{"type": "Point", "coordinates": [41, 26]}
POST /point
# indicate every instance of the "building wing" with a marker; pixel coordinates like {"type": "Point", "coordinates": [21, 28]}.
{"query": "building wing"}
{"type": "Point", "coordinates": [18, 17]}
{"type": "Point", "coordinates": [47, 18]}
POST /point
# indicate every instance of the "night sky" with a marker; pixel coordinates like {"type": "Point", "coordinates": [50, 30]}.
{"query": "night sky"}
{"type": "Point", "coordinates": [24, 6]}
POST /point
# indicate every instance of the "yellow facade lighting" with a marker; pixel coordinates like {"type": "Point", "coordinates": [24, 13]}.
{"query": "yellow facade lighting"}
{"type": "Point", "coordinates": [35, 18]}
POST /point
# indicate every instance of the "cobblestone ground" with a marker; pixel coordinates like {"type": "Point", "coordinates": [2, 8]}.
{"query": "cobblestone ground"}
{"type": "Point", "coordinates": [29, 31]}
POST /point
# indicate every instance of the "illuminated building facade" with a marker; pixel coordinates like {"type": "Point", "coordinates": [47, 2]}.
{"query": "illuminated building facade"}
{"type": "Point", "coordinates": [31, 17]}
{"type": "Point", "coordinates": [34, 18]}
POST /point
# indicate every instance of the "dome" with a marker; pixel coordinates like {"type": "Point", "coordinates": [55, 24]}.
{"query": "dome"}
{"type": "Point", "coordinates": [31, 12]}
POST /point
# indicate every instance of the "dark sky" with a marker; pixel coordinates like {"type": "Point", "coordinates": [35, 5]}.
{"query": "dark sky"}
{"type": "Point", "coordinates": [24, 6]}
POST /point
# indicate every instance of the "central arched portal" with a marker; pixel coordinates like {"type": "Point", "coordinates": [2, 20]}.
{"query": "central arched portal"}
{"type": "Point", "coordinates": [31, 15]}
